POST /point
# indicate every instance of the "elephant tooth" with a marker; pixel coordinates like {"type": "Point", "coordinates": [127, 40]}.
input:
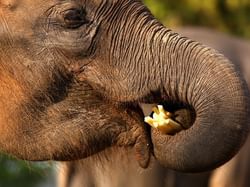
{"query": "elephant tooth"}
{"type": "Point", "coordinates": [162, 121]}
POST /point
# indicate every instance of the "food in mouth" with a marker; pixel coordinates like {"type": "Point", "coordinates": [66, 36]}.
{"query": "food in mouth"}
{"type": "Point", "coordinates": [162, 120]}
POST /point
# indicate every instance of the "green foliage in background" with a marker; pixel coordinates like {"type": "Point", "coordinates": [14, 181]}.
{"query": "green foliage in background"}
{"type": "Point", "coordinates": [231, 16]}
{"type": "Point", "coordinates": [17, 173]}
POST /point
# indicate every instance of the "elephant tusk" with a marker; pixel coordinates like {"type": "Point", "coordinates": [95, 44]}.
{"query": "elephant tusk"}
{"type": "Point", "coordinates": [162, 121]}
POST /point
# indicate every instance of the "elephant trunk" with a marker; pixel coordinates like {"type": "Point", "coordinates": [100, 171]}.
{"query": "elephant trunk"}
{"type": "Point", "coordinates": [197, 77]}
{"type": "Point", "coordinates": [155, 65]}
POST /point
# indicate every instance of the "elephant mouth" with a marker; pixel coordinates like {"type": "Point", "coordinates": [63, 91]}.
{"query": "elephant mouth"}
{"type": "Point", "coordinates": [182, 115]}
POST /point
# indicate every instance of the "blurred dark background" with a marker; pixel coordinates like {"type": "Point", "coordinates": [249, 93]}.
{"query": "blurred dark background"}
{"type": "Point", "coordinates": [231, 16]}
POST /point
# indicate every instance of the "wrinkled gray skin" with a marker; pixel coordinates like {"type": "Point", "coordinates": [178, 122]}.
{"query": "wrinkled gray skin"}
{"type": "Point", "coordinates": [72, 75]}
{"type": "Point", "coordinates": [234, 173]}
{"type": "Point", "coordinates": [237, 171]}
{"type": "Point", "coordinates": [236, 49]}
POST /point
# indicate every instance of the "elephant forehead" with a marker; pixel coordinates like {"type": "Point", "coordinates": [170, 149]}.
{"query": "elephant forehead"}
{"type": "Point", "coordinates": [32, 3]}
{"type": "Point", "coordinates": [21, 10]}
{"type": "Point", "coordinates": [101, 1]}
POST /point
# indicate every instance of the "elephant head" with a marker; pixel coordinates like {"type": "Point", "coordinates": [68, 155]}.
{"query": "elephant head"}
{"type": "Point", "coordinates": [72, 75]}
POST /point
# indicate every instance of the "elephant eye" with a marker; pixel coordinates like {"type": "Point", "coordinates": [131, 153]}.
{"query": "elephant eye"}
{"type": "Point", "coordinates": [74, 18]}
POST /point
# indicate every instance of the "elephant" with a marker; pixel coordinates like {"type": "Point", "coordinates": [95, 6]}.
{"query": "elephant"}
{"type": "Point", "coordinates": [237, 171]}
{"type": "Point", "coordinates": [234, 48]}
{"type": "Point", "coordinates": [233, 173]}
{"type": "Point", "coordinates": [74, 73]}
